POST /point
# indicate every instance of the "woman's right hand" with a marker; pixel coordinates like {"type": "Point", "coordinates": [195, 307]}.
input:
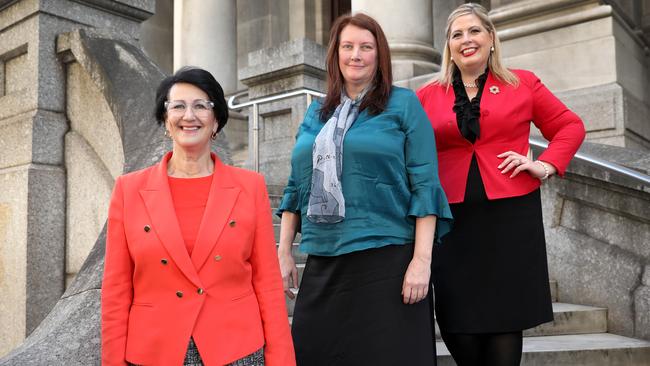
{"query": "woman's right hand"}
{"type": "Point", "coordinates": [289, 273]}
{"type": "Point", "coordinates": [288, 225]}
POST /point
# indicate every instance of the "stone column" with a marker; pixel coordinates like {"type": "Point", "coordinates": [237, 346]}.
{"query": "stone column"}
{"type": "Point", "coordinates": [302, 65]}
{"type": "Point", "coordinates": [34, 151]}
{"type": "Point", "coordinates": [409, 29]}
{"type": "Point", "coordinates": [157, 35]}
{"type": "Point", "coordinates": [205, 35]}
{"type": "Point", "coordinates": [441, 11]}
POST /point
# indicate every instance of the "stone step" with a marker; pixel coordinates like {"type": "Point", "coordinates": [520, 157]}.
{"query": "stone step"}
{"type": "Point", "coordinates": [601, 349]}
{"type": "Point", "coordinates": [553, 285]}
{"type": "Point", "coordinates": [572, 319]}
{"type": "Point", "coordinates": [575, 350]}
{"type": "Point", "coordinates": [568, 319]}
{"type": "Point", "coordinates": [275, 200]}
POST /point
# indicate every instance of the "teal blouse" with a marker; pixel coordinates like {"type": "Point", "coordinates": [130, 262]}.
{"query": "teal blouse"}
{"type": "Point", "coordinates": [389, 177]}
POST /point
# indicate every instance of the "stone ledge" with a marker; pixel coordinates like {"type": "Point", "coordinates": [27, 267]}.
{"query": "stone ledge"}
{"type": "Point", "coordinates": [286, 59]}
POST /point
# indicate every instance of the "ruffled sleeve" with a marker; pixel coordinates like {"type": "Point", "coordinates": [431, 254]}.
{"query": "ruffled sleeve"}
{"type": "Point", "coordinates": [427, 195]}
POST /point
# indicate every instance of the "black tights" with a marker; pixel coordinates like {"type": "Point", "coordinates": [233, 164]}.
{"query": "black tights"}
{"type": "Point", "coordinates": [490, 349]}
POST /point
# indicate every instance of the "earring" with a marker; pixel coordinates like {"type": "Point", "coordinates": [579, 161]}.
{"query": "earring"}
{"type": "Point", "coordinates": [167, 133]}
{"type": "Point", "coordinates": [451, 59]}
{"type": "Point", "coordinates": [214, 135]}
{"type": "Point", "coordinates": [492, 49]}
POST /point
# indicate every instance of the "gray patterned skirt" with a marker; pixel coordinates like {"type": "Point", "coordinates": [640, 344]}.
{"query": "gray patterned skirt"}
{"type": "Point", "coordinates": [192, 357]}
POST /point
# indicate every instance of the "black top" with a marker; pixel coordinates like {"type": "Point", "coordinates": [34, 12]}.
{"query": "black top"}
{"type": "Point", "coordinates": [468, 112]}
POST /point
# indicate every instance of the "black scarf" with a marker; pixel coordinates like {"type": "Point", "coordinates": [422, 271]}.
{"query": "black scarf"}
{"type": "Point", "coordinates": [468, 112]}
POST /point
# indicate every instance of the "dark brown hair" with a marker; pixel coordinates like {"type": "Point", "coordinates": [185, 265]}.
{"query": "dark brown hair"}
{"type": "Point", "coordinates": [377, 97]}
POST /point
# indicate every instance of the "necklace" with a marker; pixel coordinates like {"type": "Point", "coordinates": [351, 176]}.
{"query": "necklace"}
{"type": "Point", "coordinates": [470, 85]}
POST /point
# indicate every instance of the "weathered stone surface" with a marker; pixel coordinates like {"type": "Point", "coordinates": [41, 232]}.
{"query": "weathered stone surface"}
{"type": "Point", "coordinates": [597, 234]}
{"type": "Point", "coordinates": [91, 118]}
{"type": "Point", "coordinates": [45, 241]}
{"type": "Point", "coordinates": [594, 273]}
{"type": "Point", "coordinates": [15, 137]}
{"type": "Point", "coordinates": [297, 57]}
{"type": "Point", "coordinates": [642, 311]}
{"type": "Point", "coordinates": [13, 225]}
{"type": "Point", "coordinates": [89, 187]}
{"type": "Point", "coordinates": [646, 276]}
{"type": "Point", "coordinates": [48, 129]}
{"type": "Point", "coordinates": [69, 336]}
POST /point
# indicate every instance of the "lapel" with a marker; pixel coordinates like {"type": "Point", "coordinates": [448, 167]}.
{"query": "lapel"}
{"type": "Point", "coordinates": [158, 201]}
{"type": "Point", "coordinates": [222, 198]}
{"type": "Point", "coordinates": [488, 95]}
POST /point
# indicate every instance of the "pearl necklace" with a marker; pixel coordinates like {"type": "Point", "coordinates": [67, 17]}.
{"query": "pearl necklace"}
{"type": "Point", "coordinates": [470, 85]}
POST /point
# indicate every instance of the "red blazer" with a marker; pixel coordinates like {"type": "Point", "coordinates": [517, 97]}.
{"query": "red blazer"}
{"type": "Point", "coordinates": [228, 295]}
{"type": "Point", "coordinates": [506, 114]}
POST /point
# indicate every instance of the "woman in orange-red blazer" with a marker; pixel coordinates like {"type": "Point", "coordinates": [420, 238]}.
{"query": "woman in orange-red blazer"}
{"type": "Point", "coordinates": [490, 272]}
{"type": "Point", "coordinates": [187, 283]}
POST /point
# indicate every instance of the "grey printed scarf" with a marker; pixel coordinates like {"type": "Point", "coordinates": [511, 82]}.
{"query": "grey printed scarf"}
{"type": "Point", "coordinates": [326, 201]}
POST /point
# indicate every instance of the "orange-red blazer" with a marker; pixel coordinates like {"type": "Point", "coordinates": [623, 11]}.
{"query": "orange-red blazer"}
{"type": "Point", "coordinates": [228, 295]}
{"type": "Point", "coordinates": [506, 114]}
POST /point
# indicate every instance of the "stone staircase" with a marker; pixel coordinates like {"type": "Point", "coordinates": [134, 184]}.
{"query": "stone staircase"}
{"type": "Point", "coordinates": [577, 336]}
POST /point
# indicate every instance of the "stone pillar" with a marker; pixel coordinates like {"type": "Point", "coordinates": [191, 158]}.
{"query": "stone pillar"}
{"type": "Point", "coordinates": [593, 55]}
{"type": "Point", "coordinates": [157, 35]}
{"type": "Point", "coordinates": [409, 30]}
{"type": "Point", "coordinates": [441, 11]}
{"type": "Point", "coordinates": [302, 65]}
{"type": "Point", "coordinates": [205, 35]}
{"type": "Point", "coordinates": [33, 123]}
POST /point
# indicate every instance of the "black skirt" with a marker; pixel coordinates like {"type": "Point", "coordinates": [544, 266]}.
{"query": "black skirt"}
{"type": "Point", "coordinates": [490, 272]}
{"type": "Point", "coordinates": [349, 311]}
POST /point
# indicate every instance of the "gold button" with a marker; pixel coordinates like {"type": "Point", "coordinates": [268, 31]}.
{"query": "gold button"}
{"type": "Point", "coordinates": [217, 258]}
{"type": "Point", "coordinates": [147, 228]}
{"type": "Point", "coordinates": [200, 291]}
{"type": "Point", "coordinates": [232, 223]}
{"type": "Point", "coordinates": [163, 261]}
{"type": "Point", "coordinates": [179, 293]}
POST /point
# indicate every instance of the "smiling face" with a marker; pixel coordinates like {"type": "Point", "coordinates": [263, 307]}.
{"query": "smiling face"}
{"type": "Point", "coordinates": [469, 44]}
{"type": "Point", "coordinates": [357, 56]}
{"type": "Point", "coordinates": [191, 127]}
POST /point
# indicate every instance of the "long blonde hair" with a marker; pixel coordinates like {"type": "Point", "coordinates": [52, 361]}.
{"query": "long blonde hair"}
{"type": "Point", "coordinates": [494, 61]}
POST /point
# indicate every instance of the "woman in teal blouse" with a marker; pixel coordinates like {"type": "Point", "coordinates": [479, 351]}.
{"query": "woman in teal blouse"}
{"type": "Point", "coordinates": [364, 192]}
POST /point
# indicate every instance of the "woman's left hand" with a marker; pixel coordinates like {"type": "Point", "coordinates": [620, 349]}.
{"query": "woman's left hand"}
{"type": "Point", "coordinates": [416, 281]}
{"type": "Point", "coordinates": [518, 162]}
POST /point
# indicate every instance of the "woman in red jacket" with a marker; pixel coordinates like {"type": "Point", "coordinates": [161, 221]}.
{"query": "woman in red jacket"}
{"type": "Point", "coordinates": [191, 274]}
{"type": "Point", "coordinates": [490, 272]}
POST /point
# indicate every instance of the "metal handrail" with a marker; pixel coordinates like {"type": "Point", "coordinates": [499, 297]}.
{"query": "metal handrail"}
{"type": "Point", "coordinates": [255, 103]}
{"type": "Point", "coordinates": [638, 177]}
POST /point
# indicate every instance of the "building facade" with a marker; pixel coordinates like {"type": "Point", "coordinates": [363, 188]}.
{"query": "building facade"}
{"type": "Point", "coordinates": [63, 142]}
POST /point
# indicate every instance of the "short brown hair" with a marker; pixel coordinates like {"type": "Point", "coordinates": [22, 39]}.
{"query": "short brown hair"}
{"type": "Point", "coordinates": [377, 97]}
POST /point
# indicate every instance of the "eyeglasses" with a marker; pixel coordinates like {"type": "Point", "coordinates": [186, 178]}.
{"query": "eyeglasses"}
{"type": "Point", "coordinates": [200, 108]}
